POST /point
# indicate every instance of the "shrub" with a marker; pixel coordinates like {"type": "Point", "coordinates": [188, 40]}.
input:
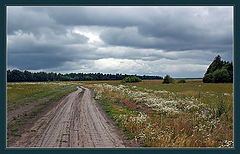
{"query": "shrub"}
{"type": "Point", "coordinates": [182, 81]}
{"type": "Point", "coordinates": [131, 79]}
{"type": "Point", "coordinates": [167, 79]}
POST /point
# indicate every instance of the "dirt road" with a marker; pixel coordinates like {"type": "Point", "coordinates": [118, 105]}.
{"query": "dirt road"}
{"type": "Point", "coordinates": [76, 121]}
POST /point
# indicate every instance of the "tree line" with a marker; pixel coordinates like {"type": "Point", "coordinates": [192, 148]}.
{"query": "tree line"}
{"type": "Point", "coordinates": [26, 76]}
{"type": "Point", "coordinates": [219, 71]}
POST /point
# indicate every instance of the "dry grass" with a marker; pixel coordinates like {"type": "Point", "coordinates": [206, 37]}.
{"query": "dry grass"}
{"type": "Point", "coordinates": [173, 115]}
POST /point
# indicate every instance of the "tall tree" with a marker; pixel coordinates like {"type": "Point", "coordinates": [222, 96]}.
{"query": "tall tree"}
{"type": "Point", "coordinates": [28, 76]}
{"type": "Point", "coordinates": [219, 71]}
{"type": "Point", "coordinates": [216, 64]}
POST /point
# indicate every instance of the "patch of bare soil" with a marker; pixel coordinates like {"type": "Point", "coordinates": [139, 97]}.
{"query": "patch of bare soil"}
{"type": "Point", "coordinates": [76, 121]}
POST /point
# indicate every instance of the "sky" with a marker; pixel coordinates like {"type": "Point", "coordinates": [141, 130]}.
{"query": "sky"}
{"type": "Point", "coordinates": [181, 41]}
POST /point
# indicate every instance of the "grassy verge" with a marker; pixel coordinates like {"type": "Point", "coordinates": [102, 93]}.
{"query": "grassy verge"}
{"type": "Point", "coordinates": [56, 92]}
{"type": "Point", "coordinates": [173, 115]}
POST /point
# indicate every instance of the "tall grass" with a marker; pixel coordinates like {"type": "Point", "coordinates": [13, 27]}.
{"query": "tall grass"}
{"type": "Point", "coordinates": [177, 115]}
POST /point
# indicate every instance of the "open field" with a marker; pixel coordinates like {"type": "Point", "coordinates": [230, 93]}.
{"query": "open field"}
{"type": "Point", "coordinates": [192, 114]}
{"type": "Point", "coordinates": [149, 113]}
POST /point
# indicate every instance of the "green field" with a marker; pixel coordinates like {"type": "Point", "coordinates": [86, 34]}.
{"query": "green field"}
{"type": "Point", "coordinates": [192, 114]}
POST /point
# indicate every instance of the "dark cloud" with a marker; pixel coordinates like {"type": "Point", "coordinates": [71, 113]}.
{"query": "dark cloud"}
{"type": "Point", "coordinates": [27, 20]}
{"type": "Point", "coordinates": [130, 36]}
{"type": "Point", "coordinates": [183, 28]}
{"type": "Point", "coordinates": [100, 16]}
{"type": "Point", "coordinates": [35, 61]}
{"type": "Point", "coordinates": [27, 51]}
{"type": "Point", "coordinates": [66, 39]}
{"type": "Point", "coordinates": [28, 55]}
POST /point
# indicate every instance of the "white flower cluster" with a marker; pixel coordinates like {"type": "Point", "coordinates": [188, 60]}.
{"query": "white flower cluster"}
{"type": "Point", "coordinates": [170, 105]}
{"type": "Point", "coordinates": [137, 119]}
{"type": "Point", "coordinates": [141, 117]}
{"type": "Point", "coordinates": [227, 144]}
{"type": "Point", "coordinates": [161, 92]}
{"type": "Point", "coordinates": [98, 93]}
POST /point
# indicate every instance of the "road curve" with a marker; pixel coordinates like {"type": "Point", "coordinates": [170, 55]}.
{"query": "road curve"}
{"type": "Point", "coordinates": [75, 122]}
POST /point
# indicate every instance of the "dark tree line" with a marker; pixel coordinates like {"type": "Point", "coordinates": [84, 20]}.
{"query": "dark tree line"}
{"type": "Point", "coordinates": [219, 72]}
{"type": "Point", "coordinates": [25, 76]}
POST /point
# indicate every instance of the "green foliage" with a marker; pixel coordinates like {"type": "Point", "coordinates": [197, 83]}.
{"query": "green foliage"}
{"type": "Point", "coordinates": [216, 64]}
{"type": "Point", "coordinates": [208, 78]}
{"type": "Point", "coordinates": [182, 81]}
{"type": "Point", "coordinates": [15, 75]}
{"type": "Point", "coordinates": [167, 79]}
{"type": "Point", "coordinates": [131, 79]}
{"type": "Point", "coordinates": [229, 67]}
{"type": "Point", "coordinates": [42, 103]}
{"type": "Point", "coordinates": [219, 72]}
{"type": "Point", "coordinates": [26, 76]}
{"type": "Point", "coordinates": [14, 128]}
{"type": "Point", "coordinates": [221, 76]}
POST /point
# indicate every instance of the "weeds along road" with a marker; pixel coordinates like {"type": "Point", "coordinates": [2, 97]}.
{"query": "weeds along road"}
{"type": "Point", "coordinates": [77, 121]}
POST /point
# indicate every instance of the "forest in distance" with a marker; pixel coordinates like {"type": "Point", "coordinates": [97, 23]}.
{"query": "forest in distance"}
{"type": "Point", "coordinates": [26, 76]}
{"type": "Point", "coordinates": [219, 71]}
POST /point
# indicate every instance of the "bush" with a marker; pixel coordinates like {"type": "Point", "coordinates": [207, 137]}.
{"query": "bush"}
{"type": "Point", "coordinates": [167, 79]}
{"type": "Point", "coordinates": [182, 81]}
{"type": "Point", "coordinates": [131, 79]}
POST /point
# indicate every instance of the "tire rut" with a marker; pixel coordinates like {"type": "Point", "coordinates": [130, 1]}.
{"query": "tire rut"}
{"type": "Point", "coordinates": [75, 122]}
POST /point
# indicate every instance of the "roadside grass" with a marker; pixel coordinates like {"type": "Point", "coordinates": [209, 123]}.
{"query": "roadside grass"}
{"type": "Point", "coordinates": [192, 114]}
{"type": "Point", "coordinates": [14, 128]}
{"type": "Point", "coordinates": [17, 97]}
{"type": "Point", "coordinates": [17, 91]}
{"type": "Point", "coordinates": [53, 93]}
{"type": "Point", "coordinates": [60, 94]}
{"type": "Point", "coordinates": [30, 92]}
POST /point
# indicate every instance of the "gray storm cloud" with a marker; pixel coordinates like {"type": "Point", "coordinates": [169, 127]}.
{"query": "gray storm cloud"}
{"type": "Point", "coordinates": [153, 40]}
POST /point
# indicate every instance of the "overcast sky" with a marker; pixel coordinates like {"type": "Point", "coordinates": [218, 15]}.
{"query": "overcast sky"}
{"type": "Point", "coordinates": [179, 41]}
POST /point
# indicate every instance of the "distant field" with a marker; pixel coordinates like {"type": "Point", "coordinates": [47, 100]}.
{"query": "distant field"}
{"type": "Point", "coordinates": [143, 82]}
{"type": "Point", "coordinates": [192, 114]}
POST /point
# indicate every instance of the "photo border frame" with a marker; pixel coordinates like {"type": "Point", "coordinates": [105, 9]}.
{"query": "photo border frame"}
{"type": "Point", "coordinates": [236, 62]}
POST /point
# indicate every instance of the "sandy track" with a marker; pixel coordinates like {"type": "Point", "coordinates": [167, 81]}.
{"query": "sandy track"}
{"type": "Point", "coordinates": [75, 122]}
